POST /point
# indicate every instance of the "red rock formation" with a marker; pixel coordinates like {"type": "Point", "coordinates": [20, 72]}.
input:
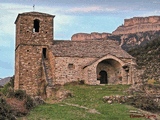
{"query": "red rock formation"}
{"type": "Point", "coordinates": [92, 36]}
{"type": "Point", "coordinates": [139, 24]}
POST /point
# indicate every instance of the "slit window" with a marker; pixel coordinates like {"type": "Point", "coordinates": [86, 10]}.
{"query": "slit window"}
{"type": "Point", "coordinates": [71, 66]}
{"type": "Point", "coordinates": [44, 53]}
{"type": "Point", "coordinates": [36, 25]}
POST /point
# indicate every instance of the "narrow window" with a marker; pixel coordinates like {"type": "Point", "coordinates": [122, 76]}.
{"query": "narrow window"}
{"type": "Point", "coordinates": [44, 52]}
{"type": "Point", "coordinates": [71, 66]}
{"type": "Point", "coordinates": [36, 25]}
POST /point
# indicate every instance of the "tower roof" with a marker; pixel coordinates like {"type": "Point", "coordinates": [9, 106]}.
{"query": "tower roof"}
{"type": "Point", "coordinates": [33, 14]}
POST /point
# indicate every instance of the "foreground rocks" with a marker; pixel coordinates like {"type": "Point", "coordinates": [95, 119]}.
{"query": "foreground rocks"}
{"type": "Point", "coordinates": [144, 96]}
{"type": "Point", "coordinates": [116, 99]}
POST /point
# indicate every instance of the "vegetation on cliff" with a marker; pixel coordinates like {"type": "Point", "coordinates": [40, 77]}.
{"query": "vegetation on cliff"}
{"type": "Point", "coordinates": [148, 58]}
{"type": "Point", "coordinates": [133, 40]}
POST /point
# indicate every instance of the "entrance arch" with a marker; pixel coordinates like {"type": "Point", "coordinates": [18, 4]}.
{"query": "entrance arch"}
{"type": "Point", "coordinates": [103, 77]}
{"type": "Point", "coordinates": [109, 71]}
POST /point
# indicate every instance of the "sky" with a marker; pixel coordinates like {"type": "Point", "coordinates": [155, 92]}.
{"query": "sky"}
{"type": "Point", "coordinates": [71, 16]}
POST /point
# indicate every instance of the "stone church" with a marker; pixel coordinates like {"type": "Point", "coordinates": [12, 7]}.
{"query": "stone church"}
{"type": "Point", "coordinates": [42, 62]}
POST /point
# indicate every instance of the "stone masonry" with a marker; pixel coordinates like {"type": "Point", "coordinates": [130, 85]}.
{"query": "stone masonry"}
{"type": "Point", "coordinates": [42, 62]}
{"type": "Point", "coordinates": [29, 73]}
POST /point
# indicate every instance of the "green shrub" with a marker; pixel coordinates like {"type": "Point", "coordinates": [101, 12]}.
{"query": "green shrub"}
{"type": "Point", "coordinates": [20, 94]}
{"type": "Point", "coordinates": [12, 81]}
{"type": "Point", "coordinates": [29, 104]}
{"type": "Point", "coordinates": [7, 87]}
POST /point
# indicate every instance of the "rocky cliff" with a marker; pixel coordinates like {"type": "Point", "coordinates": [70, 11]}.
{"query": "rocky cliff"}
{"type": "Point", "coordinates": [135, 32]}
{"type": "Point", "coordinates": [129, 41]}
{"type": "Point", "coordinates": [138, 24]}
{"type": "Point", "coordinates": [92, 36]}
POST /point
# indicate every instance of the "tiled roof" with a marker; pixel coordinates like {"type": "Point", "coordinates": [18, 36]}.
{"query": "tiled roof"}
{"type": "Point", "coordinates": [90, 48]}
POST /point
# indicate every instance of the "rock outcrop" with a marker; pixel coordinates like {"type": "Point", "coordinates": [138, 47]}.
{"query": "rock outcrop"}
{"type": "Point", "coordinates": [130, 41]}
{"type": "Point", "coordinates": [92, 36]}
{"type": "Point", "coordinates": [136, 31]}
{"type": "Point", "coordinates": [138, 24]}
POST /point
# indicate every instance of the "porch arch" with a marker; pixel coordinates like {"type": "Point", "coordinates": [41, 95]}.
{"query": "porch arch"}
{"type": "Point", "coordinates": [113, 66]}
{"type": "Point", "coordinates": [109, 56]}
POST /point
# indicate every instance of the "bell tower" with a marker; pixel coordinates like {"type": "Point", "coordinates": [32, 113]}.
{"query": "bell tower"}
{"type": "Point", "coordinates": [34, 36]}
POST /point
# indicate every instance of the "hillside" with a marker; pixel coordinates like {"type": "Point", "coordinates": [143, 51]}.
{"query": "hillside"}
{"type": "Point", "coordinates": [148, 58]}
{"type": "Point", "coordinates": [86, 103]}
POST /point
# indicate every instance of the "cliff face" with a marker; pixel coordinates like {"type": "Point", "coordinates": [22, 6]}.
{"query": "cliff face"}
{"type": "Point", "coordinates": [135, 32]}
{"type": "Point", "coordinates": [92, 36]}
{"type": "Point", "coordinates": [129, 41]}
{"type": "Point", "coordinates": [138, 24]}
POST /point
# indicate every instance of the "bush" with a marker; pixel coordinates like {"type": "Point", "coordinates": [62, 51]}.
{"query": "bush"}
{"type": "Point", "coordinates": [6, 89]}
{"type": "Point", "coordinates": [12, 81]}
{"type": "Point", "coordinates": [20, 94]}
{"type": "Point", "coordinates": [16, 103]}
{"type": "Point", "coordinates": [29, 104]}
{"type": "Point", "coordinates": [5, 111]}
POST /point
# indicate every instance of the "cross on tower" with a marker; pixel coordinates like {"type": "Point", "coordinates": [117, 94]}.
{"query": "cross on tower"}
{"type": "Point", "coordinates": [33, 7]}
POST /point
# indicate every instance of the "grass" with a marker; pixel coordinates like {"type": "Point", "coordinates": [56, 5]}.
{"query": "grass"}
{"type": "Point", "coordinates": [85, 99]}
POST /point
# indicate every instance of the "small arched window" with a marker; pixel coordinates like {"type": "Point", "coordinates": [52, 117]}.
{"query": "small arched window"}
{"type": "Point", "coordinates": [36, 25]}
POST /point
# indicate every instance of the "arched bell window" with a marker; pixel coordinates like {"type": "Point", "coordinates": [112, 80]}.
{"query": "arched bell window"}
{"type": "Point", "coordinates": [36, 25]}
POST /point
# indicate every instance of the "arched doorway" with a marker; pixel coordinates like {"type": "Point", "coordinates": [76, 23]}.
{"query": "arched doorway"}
{"type": "Point", "coordinates": [109, 71]}
{"type": "Point", "coordinates": [103, 77]}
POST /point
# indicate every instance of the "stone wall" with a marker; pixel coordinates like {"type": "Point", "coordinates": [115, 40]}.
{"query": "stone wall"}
{"type": "Point", "coordinates": [30, 68]}
{"type": "Point", "coordinates": [69, 69]}
{"type": "Point", "coordinates": [17, 71]}
{"type": "Point", "coordinates": [138, 24]}
{"type": "Point", "coordinates": [25, 33]}
{"type": "Point", "coordinates": [51, 59]}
